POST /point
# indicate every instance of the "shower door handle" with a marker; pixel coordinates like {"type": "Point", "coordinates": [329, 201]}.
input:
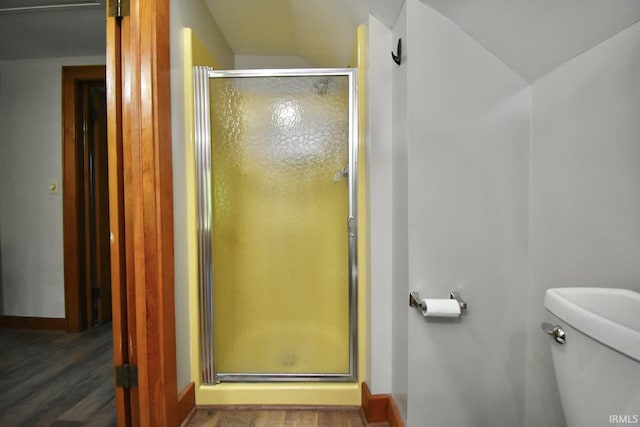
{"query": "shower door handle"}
{"type": "Point", "coordinates": [342, 173]}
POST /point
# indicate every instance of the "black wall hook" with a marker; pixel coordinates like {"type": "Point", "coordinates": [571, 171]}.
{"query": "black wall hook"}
{"type": "Point", "coordinates": [397, 57]}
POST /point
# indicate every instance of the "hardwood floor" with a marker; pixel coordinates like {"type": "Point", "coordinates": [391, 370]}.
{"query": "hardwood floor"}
{"type": "Point", "coordinates": [52, 378]}
{"type": "Point", "coordinates": [277, 417]}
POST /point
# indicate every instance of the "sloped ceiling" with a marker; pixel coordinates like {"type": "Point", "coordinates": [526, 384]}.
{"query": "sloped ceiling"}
{"type": "Point", "coordinates": [531, 36]}
{"type": "Point", "coordinates": [321, 31]}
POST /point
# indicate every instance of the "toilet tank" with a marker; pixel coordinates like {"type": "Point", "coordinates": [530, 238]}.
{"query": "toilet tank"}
{"type": "Point", "coordinates": [598, 367]}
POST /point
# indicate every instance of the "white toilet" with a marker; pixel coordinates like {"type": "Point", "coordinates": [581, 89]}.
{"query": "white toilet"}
{"type": "Point", "coordinates": [595, 343]}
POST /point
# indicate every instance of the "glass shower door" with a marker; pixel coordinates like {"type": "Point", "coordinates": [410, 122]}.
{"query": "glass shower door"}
{"type": "Point", "coordinates": [283, 261]}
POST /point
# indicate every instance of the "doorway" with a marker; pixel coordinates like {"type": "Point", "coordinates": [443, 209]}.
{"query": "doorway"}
{"type": "Point", "coordinates": [53, 376]}
{"type": "Point", "coordinates": [85, 198]}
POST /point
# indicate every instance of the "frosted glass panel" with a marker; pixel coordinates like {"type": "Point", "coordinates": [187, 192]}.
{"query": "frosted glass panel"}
{"type": "Point", "coordinates": [280, 208]}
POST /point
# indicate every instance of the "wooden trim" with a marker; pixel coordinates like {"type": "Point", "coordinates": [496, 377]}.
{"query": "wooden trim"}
{"type": "Point", "coordinates": [73, 244]}
{"type": "Point", "coordinates": [393, 414]}
{"type": "Point", "coordinates": [123, 342]}
{"type": "Point", "coordinates": [186, 403]}
{"type": "Point", "coordinates": [380, 408]}
{"type": "Point", "coordinates": [28, 322]}
{"type": "Point", "coordinates": [374, 407]}
{"type": "Point", "coordinates": [148, 207]}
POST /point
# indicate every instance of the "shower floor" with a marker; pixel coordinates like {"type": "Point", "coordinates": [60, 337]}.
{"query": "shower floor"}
{"type": "Point", "coordinates": [295, 349]}
{"type": "Point", "coordinates": [279, 417]}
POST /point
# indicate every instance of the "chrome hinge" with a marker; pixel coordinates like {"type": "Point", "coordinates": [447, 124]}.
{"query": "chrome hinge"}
{"type": "Point", "coordinates": [126, 376]}
{"type": "Point", "coordinates": [351, 227]}
{"type": "Point", "coordinates": [118, 8]}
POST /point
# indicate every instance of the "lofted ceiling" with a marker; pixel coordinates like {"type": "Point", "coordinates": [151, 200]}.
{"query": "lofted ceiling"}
{"type": "Point", "coordinates": [533, 37]}
{"type": "Point", "coordinates": [530, 36]}
{"type": "Point", "coordinates": [320, 31]}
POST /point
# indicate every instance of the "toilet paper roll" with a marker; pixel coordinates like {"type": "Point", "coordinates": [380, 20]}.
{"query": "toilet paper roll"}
{"type": "Point", "coordinates": [440, 308]}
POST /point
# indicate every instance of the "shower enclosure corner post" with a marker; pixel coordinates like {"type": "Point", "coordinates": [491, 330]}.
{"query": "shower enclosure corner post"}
{"type": "Point", "coordinates": [202, 150]}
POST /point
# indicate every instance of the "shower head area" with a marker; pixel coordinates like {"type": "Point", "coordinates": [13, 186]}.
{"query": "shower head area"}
{"type": "Point", "coordinates": [322, 85]}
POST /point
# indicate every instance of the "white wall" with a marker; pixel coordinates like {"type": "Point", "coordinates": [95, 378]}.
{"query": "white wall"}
{"type": "Point", "coordinates": [585, 191]}
{"type": "Point", "coordinates": [400, 214]}
{"type": "Point", "coordinates": [31, 242]}
{"type": "Point", "coordinates": [195, 15]}
{"type": "Point", "coordinates": [379, 153]}
{"type": "Point", "coordinates": [465, 170]}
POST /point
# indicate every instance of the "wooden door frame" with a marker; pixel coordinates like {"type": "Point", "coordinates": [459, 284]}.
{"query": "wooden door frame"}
{"type": "Point", "coordinates": [75, 304]}
{"type": "Point", "coordinates": [138, 89]}
{"type": "Point", "coordinates": [100, 305]}
{"type": "Point", "coordinates": [123, 318]}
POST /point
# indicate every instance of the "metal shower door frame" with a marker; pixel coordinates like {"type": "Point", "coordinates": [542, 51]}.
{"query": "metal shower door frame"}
{"type": "Point", "coordinates": [202, 149]}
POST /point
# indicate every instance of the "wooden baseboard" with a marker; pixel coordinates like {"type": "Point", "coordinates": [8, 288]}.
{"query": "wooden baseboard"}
{"type": "Point", "coordinates": [374, 407]}
{"type": "Point", "coordinates": [186, 403]}
{"type": "Point", "coordinates": [27, 322]}
{"type": "Point", "coordinates": [380, 408]}
{"type": "Point", "coordinates": [393, 414]}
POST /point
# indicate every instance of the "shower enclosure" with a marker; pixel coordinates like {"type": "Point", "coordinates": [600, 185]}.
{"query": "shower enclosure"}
{"type": "Point", "coordinates": [276, 167]}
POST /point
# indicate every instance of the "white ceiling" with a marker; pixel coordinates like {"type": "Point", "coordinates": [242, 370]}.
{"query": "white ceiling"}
{"type": "Point", "coordinates": [52, 33]}
{"type": "Point", "coordinates": [535, 36]}
{"type": "Point", "coordinates": [530, 36]}
{"type": "Point", "coordinates": [321, 31]}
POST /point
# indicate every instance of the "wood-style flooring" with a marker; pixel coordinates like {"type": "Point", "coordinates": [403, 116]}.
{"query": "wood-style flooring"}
{"type": "Point", "coordinates": [52, 378]}
{"type": "Point", "coordinates": [277, 417]}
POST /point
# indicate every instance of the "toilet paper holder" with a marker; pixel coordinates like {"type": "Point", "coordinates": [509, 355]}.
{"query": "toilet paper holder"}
{"type": "Point", "coordinates": [416, 301]}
